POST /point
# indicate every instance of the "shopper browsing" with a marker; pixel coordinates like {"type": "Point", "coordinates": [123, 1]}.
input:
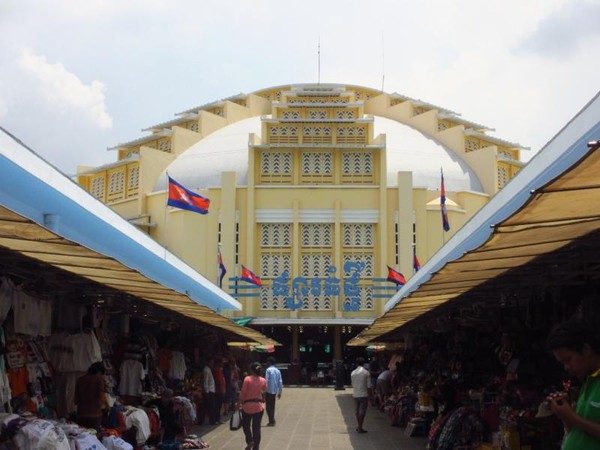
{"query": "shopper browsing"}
{"type": "Point", "coordinates": [576, 345]}
{"type": "Point", "coordinates": [251, 403]}
{"type": "Point", "coordinates": [274, 388]}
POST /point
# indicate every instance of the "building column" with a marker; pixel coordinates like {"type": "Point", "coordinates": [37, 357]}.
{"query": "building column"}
{"type": "Point", "coordinates": [295, 344]}
{"type": "Point", "coordinates": [337, 342]}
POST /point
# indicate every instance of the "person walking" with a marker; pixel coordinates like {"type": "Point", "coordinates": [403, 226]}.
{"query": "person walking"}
{"type": "Point", "coordinates": [576, 345]}
{"type": "Point", "coordinates": [274, 388]}
{"type": "Point", "coordinates": [360, 392]}
{"type": "Point", "coordinates": [251, 401]}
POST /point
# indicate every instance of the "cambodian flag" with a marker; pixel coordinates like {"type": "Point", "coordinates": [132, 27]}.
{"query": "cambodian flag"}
{"type": "Point", "coordinates": [183, 198]}
{"type": "Point", "coordinates": [445, 222]}
{"type": "Point", "coordinates": [250, 277]}
{"type": "Point", "coordinates": [416, 263]}
{"type": "Point", "coordinates": [395, 277]}
{"type": "Point", "coordinates": [222, 270]}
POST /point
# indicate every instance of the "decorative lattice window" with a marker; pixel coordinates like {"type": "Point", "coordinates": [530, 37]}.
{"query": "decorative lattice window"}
{"type": "Point", "coordinates": [503, 176]}
{"type": "Point", "coordinates": [418, 110]}
{"type": "Point", "coordinates": [345, 114]}
{"type": "Point", "coordinates": [443, 125]}
{"type": "Point", "coordinates": [471, 145]}
{"type": "Point", "coordinates": [274, 264]}
{"type": "Point", "coordinates": [164, 145]}
{"type": "Point", "coordinates": [315, 264]}
{"type": "Point", "coordinates": [193, 126]}
{"type": "Point", "coordinates": [276, 163]}
{"type": "Point", "coordinates": [317, 135]}
{"type": "Point", "coordinates": [278, 235]}
{"type": "Point", "coordinates": [290, 114]}
{"type": "Point", "coordinates": [365, 299]}
{"type": "Point", "coordinates": [269, 301]}
{"type": "Point", "coordinates": [396, 101]}
{"type": "Point", "coordinates": [505, 154]}
{"type": "Point", "coordinates": [357, 163]}
{"type": "Point", "coordinates": [368, 259]}
{"type": "Point", "coordinates": [316, 114]}
{"type": "Point", "coordinates": [116, 183]}
{"type": "Point", "coordinates": [283, 134]}
{"type": "Point", "coordinates": [97, 187]}
{"type": "Point", "coordinates": [317, 163]}
{"type": "Point", "coordinates": [358, 235]}
{"type": "Point", "coordinates": [351, 135]}
{"type": "Point", "coordinates": [133, 178]}
{"type": "Point", "coordinates": [316, 302]}
{"type": "Point", "coordinates": [316, 235]}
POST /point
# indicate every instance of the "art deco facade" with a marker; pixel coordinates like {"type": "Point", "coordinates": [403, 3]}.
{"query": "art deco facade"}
{"type": "Point", "coordinates": [317, 188]}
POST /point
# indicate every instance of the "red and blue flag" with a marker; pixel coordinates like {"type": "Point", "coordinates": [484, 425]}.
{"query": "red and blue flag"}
{"type": "Point", "coordinates": [222, 270]}
{"type": "Point", "coordinates": [182, 198]}
{"type": "Point", "coordinates": [416, 263]}
{"type": "Point", "coordinates": [445, 222]}
{"type": "Point", "coordinates": [395, 277]}
{"type": "Point", "coordinates": [250, 277]}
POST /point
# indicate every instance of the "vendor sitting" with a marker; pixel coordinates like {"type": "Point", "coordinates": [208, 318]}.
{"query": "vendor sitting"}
{"type": "Point", "coordinates": [170, 420]}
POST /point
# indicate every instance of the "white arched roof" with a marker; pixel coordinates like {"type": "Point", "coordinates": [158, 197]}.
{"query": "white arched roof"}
{"type": "Point", "coordinates": [408, 150]}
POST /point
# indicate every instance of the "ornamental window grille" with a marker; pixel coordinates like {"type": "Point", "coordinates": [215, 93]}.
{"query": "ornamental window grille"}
{"type": "Point", "coordinates": [283, 134]}
{"type": "Point", "coordinates": [396, 101]}
{"type": "Point", "coordinates": [358, 235]}
{"type": "Point", "coordinates": [316, 235]}
{"type": "Point", "coordinates": [274, 264]}
{"type": "Point", "coordinates": [317, 163]}
{"type": "Point", "coordinates": [418, 110]}
{"type": "Point", "coordinates": [276, 163]}
{"type": "Point", "coordinates": [97, 187]}
{"type": "Point", "coordinates": [357, 163]}
{"type": "Point", "coordinates": [443, 125]}
{"type": "Point", "coordinates": [368, 259]}
{"type": "Point", "coordinates": [365, 299]}
{"type": "Point", "coordinates": [505, 154]}
{"type": "Point", "coordinates": [317, 135]}
{"type": "Point", "coordinates": [503, 176]}
{"type": "Point", "coordinates": [217, 111]}
{"type": "Point", "coordinates": [316, 302]}
{"type": "Point", "coordinates": [351, 135]}
{"type": "Point", "coordinates": [116, 182]}
{"type": "Point", "coordinates": [278, 235]}
{"type": "Point", "coordinates": [133, 179]}
{"type": "Point", "coordinates": [471, 145]}
{"type": "Point", "coordinates": [315, 265]}
{"type": "Point", "coordinates": [193, 126]}
{"type": "Point", "coordinates": [269, 301]}
{"type": "Point", "coordinates": [290, 114]}
{"type": "Point", "coordinates": [164, 145]}
{"type": "Point", "coordinates": [317, 114]}
{"type": "Point", "coordinates": [345, 114]}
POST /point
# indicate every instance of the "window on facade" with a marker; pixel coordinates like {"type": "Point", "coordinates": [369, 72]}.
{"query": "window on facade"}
{"type": "Point", "coordinates": [358, 242]}
{"type": "Point", "coordinates": [351, 135]}
{"type": "Point", "coordinates": [283, 134]}
{"type": "Point", "coordinates": [133, 180]}
{"type": "Point", "coordinates": [275, 258]}
{"type": "Point", "coordinates": [317, 167]}
{"type": "Point", "coordinates": [503, 176]}
{"type": "Point", "coordinates": [316, 241]}
{"type": "Point", "coordinates": [97, 187]}
{"type": "Point", "coordinates": [116, 185]}
{"type": "Point", "coordinates": [276, 167]}
{"type": "Point", "coordinates": [357, 167]}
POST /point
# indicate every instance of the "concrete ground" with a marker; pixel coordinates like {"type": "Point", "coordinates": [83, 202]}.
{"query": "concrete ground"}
{"type": "Point", "coordinates": [316, 419]}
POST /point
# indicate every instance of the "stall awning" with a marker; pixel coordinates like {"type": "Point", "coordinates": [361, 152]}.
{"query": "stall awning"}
{"type": "Point", "coordinates": [55, 236]}
{"type": "Point", "coordinates": [542, 229]}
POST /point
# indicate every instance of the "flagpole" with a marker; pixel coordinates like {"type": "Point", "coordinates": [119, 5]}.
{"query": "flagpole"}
{"type": "Point", "coordinates": [165, 218]}
{"type": "Point", "coordinates": [219, 265]}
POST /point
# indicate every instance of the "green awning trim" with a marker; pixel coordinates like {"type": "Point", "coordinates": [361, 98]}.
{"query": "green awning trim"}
{"type": "Point", "coordinates": [243, 321]}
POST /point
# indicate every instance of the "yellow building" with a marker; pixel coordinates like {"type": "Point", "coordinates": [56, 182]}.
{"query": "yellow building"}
{"type": "Point", "coordinates": [316, 188]}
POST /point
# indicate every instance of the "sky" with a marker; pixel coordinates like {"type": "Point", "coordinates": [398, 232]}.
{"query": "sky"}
{"type": "Point", "coordinates": [78, 77]}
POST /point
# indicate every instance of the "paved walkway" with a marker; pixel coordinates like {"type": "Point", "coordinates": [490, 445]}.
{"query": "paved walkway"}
{"type": "Point", "coordinates": [316, 419]}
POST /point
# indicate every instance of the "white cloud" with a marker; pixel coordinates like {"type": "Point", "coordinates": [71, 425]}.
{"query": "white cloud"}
{"type": "Point", "coordinates": [64, 90]}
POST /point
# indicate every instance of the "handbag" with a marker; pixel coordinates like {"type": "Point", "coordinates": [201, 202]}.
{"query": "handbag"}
{"type": "Point", "coordinates": [235, 422]}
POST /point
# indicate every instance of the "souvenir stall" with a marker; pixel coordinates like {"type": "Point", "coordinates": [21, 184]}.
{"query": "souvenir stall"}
{"type": "Point", "coordinates": [482, 307]}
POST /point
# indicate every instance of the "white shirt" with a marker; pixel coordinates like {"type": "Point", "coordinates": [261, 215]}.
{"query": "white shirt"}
{"type": "Point", "coordinates": [360, 377]}
{"type": "Point", "coordinates": [209, 380]}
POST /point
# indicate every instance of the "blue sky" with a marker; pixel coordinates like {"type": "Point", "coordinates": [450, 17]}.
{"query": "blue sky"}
{"type": "Point", "coordinates": [79, 77]}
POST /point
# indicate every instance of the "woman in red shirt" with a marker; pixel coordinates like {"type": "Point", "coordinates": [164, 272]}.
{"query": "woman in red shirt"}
{"type": "Point", "coordinates": [251, 402]}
